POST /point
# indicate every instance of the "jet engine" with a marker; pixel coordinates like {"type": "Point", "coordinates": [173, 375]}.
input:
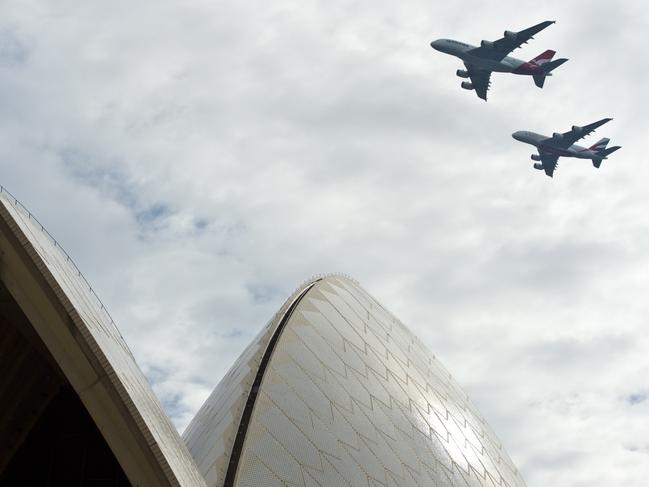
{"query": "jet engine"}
{"type": "Point", "coordinates": [466, 85]}
{"type": "Point", "coordinates": [538, 166]}
{"type": "Point", "coordinates": [535, 157]}
{"type": "Point", "coordinates": [461, 73]}
{"type": "Point", "coordinates": [576, 128]}
{"type": "Point", "coordinates": [486, 44]}
{"type": "Point", "coordinates": [510, 35]}
{"type": "Point", "coordinates": [557, 136]}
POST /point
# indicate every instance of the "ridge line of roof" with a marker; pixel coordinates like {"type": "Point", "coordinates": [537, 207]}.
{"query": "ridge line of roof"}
{"type": "Point", "coordinates": [246, 416]}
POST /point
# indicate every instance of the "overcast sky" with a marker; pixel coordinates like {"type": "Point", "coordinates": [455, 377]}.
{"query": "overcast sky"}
{"type": "Point", "coordinates": [200, 159]}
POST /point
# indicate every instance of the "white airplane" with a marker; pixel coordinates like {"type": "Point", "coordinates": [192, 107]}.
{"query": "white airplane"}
{"type": "Point", "coordinates": [493, 56]}
{"type": "Point", "coordinates": [563, 145]}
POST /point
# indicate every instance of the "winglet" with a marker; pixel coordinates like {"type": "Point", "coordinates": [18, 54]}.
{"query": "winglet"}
{"type": "Point", "coordinates": [603, 121]}
{"type": "Point", "coordinates": [599, 123]}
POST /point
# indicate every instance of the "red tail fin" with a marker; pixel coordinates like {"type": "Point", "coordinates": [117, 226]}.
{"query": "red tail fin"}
{"type": "Point", "coordinates": [543, 57]}
{"type": "Point", "coordinates": [600, 145]}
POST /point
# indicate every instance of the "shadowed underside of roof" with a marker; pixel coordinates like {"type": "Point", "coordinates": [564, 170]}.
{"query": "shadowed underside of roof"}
{"type": "Point", "coordinates": [69, 326]}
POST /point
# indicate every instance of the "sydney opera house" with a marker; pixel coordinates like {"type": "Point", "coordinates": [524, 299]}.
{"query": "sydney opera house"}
{"type": "Point", "coordinates": [334, 391]}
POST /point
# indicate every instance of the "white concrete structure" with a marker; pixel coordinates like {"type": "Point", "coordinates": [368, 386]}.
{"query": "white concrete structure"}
{"type": "Point", "coordinates": [64, 320]}
{"type": "Point", "coordinates": [334, 391]}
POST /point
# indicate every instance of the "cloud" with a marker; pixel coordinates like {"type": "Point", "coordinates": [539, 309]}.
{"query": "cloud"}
{"type": "Point", "coordinates": [637, 398]}
{"type": "Point", "coordinates": [199, 160]}
{"type": "Point", "coordinates": [12, 51]}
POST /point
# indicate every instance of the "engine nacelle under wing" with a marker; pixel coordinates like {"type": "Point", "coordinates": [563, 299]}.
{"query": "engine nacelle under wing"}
{"type": "Point", "coordinates": [535, 157]}
{"type": "Point", "coordinates": [487, 44]}
{"type": "Point", "coordinates": [557, 136]}
{"type": "Point", "coordinates": [462, 74]}
{"type": "Point", "coordinates": [538, 166]}
{"type": "Point", "coordinates": [510, 35]}
{"type": "Point", "coordinates": [576, 128]}
{"type": "Point", "coordinates": [466, 85]}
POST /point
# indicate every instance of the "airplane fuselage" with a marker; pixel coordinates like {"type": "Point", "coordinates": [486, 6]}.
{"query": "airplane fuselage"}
{"type": "Point", "coordinates": [470, 55]}
{"type": "Point", "coordinates": [548, 145]}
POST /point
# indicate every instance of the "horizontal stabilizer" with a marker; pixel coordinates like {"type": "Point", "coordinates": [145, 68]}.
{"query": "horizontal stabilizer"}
{"type": "Point", "coordinates": [552, 65]}
{"type": "Point", "coordinates": [597, 161]}
{"type": "Point", "coordinates": [610, 150]}
{"type": "Point", "coordinates": [546, 67]}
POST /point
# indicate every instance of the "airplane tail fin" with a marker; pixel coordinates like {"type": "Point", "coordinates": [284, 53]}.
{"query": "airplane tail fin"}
{"type": "Point", "coordinates": [600, 144]}
{"type": "Point", "coordinates": [603, 153]}
{"type": "Point", "coordinates": [544, 57]}
{"type": "Point", "coordinates": [547, 67]}
{"type": "Point", "coordinates": [552, 65]}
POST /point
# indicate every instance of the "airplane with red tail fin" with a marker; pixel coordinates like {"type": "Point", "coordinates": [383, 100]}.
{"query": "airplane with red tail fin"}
{"type": "Point", "coordinates": [492, 56]}
{"type": "Point", "coordinates": [563, 145]}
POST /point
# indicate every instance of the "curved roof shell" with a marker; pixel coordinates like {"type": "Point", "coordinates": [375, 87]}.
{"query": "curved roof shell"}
{"type": "Point", "coordinates": [83, 340]}
{"type": "Point", "coordinates": [336, 391]}
{"type": "Point", "coordinates": [333, 391]}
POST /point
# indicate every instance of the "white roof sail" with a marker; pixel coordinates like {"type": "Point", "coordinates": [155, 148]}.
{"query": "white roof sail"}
{"type": "Point", "coordinates": [333, 391]}
{"type": "Point", "coordinates": [348, 396]}
{"type": "Point", "coordinates": [82, 338]}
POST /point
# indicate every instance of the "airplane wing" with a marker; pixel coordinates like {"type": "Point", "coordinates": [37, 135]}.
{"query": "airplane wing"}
{"type": "Point", "coordinates": [550, 162]}
{"type": "Point", "coordinates": [480, 79]}
{"type": "Point", "coordinates": [500, 48]}
{"type": "Point", "coordinates": [569, 138]}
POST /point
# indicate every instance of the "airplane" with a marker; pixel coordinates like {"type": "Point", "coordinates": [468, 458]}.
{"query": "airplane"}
{"type": "Point", "coordinates": [492, 56]}
{"type": "Point", "coordinates": [563, 145]}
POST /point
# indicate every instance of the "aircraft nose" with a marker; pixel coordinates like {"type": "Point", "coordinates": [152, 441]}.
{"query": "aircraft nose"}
{"type": "Point", "coordinates": [517, 135]}
{"type": "Point", "coordinates": [436, 44]}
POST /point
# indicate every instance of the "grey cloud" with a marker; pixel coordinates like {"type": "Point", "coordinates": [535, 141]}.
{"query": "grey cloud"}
{"type": "Point", "coordinates": [637, 398]}
{"type": "Point", "coordinates": [13, 52]}
{"type": "Point", "coordinates": [199, 160]}
{"type": "Point", "coordinates": [263, 292]}
{"type": "Point", "coordinates": [105, 178]}
{"type": "Point", "coordinates": [153, 214]}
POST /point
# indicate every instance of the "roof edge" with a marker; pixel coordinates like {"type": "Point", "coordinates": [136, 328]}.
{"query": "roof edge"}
{"type": "Point", "coordinates": [82, 358]}
{"type": "Point", "coordinates": [237, 448]}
